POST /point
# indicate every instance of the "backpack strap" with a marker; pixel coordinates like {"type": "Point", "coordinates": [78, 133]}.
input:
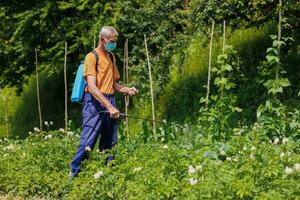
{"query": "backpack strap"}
{"type": "Point", "coordinates": [97, 59]}
{"type": "Point", "coordinates": [111, 56]}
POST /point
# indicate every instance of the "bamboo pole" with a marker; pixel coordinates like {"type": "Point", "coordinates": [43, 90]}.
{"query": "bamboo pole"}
{"type": "Point", "coordinates": [124, 64]}
{"type": "Point", "coordinates": [223, 50]}
{"type": "Point", "coordinates": [151, 89]}
{"type": "Point", "coordinates": [279, 35]}
{"type": "Point", "coordinates": [38, 90]}
{"type": "Point", "coordinates": [66, 88]}
{"type": "Point", "coordinates": [5, 111]}
{"type": "Point", "coordinates": [126, 67]}
{"type": "Point", "coordinates": [126, 82]}
{"type": "Point", "coordinates": [209, 64]}
{"type": "Point", "coordinates": [224, 36]}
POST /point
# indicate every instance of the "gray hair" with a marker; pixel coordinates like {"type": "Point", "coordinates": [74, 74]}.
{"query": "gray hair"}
{"type": "Point", "coordinates": [106, 31]}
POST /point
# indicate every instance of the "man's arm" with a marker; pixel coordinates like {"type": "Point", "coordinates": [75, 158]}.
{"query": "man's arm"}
{"type": "Point", "coordinates": [125, 90]}
{"type": "Point", "coordinates": [95, 92]}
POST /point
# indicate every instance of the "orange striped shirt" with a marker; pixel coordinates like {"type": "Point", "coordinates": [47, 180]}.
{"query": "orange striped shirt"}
{"type": "Point", "coordinates": [107, 72]}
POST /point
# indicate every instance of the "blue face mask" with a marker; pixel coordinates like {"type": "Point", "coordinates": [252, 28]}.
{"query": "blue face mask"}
{"type": "Point", "coordinates": [110, 46]}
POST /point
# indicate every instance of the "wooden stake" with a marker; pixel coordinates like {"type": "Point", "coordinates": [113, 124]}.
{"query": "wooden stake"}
{"type": "Point", "coordinates": [223, 49]}
{"type": "Point", "coordinates": [5, 111]}
{"type": "Point", "coordinates": [126, 67]}
{"type": "Point", "coordinates": [209, 64]}
{"type": "Point", "coordinates": [38, 90]}
{"type": "Point", "coordinates": [279, 35]}
{"type": "Point", "coordinates": [151, 89]}
{"type": "Point", "coordinates": [66, 88]}
{"type": "Point", "coordinates": [126, 82]}
{"type": "Point", "coordinates": [224, 36]}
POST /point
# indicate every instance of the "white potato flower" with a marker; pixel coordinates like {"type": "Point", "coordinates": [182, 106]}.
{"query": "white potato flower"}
{"type": "Point", "coordinates": [191, 170]}
{"type": "Point", "coordinates": [285, 140]}
{"type": "Point", "coordinates": [88, 148]}
{"type": "Point", "coordinates": [288, 170]}
{"type": "Point", "coordinates": [228, 158]}
{"type": "Point", "coordinates": [48, 137]}
{"type": "Point", "coordinates": [222, 152]}
{"type": "Point", "coordinates": [98, 174]}
{"type": "Point", "coordinates": [193, 181]}
{"type": "Point", "coordinates": [36, 129]}
{"type": "Point", "coordinates": [70, 133]}
{"type": "Point", "coordinates": [297, 167]}
{"type": "Point", "coordinates": [137, 169]}
{"type": "Point", "coordinates": [276, 141]}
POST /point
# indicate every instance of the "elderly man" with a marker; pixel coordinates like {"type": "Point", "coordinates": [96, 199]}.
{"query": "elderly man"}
{"type": "Point", "coordinates": [101, 80]}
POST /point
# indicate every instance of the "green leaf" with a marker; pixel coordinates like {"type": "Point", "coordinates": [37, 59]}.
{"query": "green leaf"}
{"type": "Point", "coordinates": [221, 81]}
{"type": "Point", "coordinates": [293, 124]}
{"type": "Point", "coordinates": [275, 90]}
{"type": "Point", "coordinates": [272, 49]}
{"type": "Point", "coordinates": [237, 109]}
{"type": "Point", "coordinates": [272, 58]}
{"type": "Point", "coordinates": [284, 82]}
{"type": "Point", "coordinates": [278, 43]}
{"type": "Point", "coordinates": [273, 37]}
{"type": "Point", "coordinates": [222, 57]}
{"type": "Point", "coordinates": [228, 67]}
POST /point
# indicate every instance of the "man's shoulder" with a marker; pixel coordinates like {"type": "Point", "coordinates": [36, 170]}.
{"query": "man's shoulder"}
{"type": "Point", "coordinates": [90, 56]}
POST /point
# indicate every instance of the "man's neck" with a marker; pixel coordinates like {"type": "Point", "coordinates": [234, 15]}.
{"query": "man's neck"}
{"type": "Point", "coordinates": [102, 49]}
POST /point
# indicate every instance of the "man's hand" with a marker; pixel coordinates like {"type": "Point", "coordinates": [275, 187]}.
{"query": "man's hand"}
{"type": "Point", "coordinates": [132, 91]}
{"type": "Point", "coordinates": [125, 90]}
{"type": "Point", "coordinates": [114, 113]}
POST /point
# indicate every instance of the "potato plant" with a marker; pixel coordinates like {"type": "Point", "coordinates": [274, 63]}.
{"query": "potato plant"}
{"type": "Point", "coordinates": [243, 168]}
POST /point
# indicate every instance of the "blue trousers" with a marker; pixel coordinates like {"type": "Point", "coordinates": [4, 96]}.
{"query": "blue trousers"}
{"type": "Point", "coordinates": [99, 126]}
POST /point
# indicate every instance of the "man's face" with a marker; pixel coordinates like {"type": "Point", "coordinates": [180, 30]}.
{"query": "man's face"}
{"type": "Point", "coordinates": [111, 38]}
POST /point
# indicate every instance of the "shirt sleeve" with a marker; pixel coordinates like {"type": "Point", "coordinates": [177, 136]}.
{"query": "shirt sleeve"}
{"type": "Point", "coordinates": [89, 66]}
{"type": "Point", "coordinates": [116, 72]}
